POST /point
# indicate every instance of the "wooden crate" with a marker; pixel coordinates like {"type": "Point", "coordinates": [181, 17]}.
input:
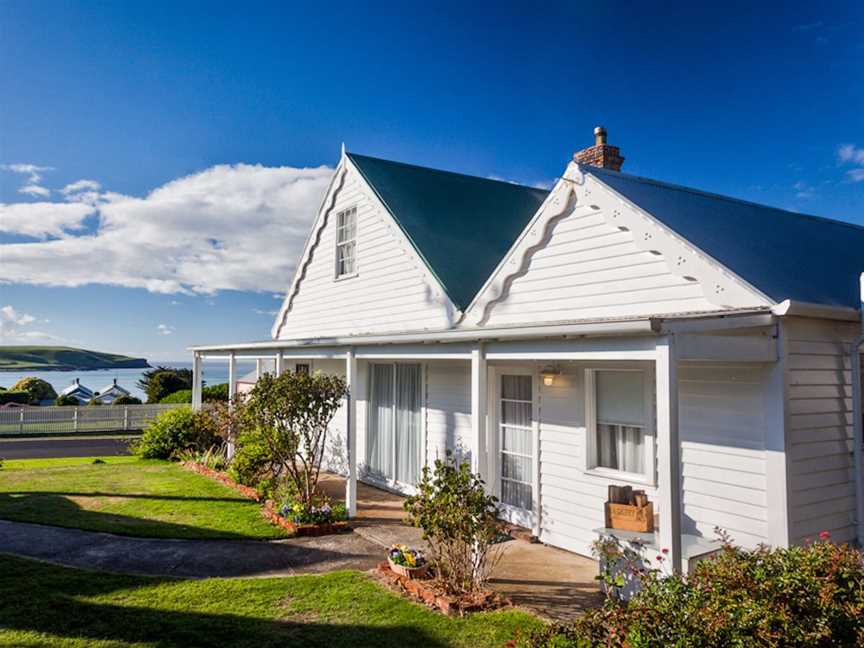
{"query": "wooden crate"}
{"type": "Point", "coordinates": [627, 517]}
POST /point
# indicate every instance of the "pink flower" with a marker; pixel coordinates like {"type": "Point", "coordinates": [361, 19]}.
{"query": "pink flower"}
{"type": "Point", "coordinates": [665, 551]}
{"type": "Point", "coordinates": [659, 558]}
{"type": "Point", "coordinates": [824, 535]}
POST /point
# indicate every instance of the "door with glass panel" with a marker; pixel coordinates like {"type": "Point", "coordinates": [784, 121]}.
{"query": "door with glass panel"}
{"type": "Point", "coordinates": [515, 421]}
{"type": "Point", "coordinates": [394, 437]}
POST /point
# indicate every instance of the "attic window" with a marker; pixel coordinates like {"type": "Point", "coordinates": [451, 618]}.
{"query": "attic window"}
{"type": "Point", "coordinates": [346, 243]}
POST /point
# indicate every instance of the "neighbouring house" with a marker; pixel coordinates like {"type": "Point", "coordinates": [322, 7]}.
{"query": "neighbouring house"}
{"type": "Point", "coordinates": [612, 331]}
{"type": "Point", "coordinates": [108, 394]}
{"type": "Point", "coordinates": [79, 392]}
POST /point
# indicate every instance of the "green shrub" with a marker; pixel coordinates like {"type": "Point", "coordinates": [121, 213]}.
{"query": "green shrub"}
{"type": "Point", "coordinates": [12, 396]}
{"type": "Point", "coordinates": [799, 596]}
{"type": "Point", "coordinates": [459, 522]}
{"type": "Point", "coordinates": [214, 393]}
{"type": "Point", "coordinates": [176, 430]}
{"type": "Point", "coordinates": [126, 400]}
{"type": "Point", "coordinates": [253, 464]}
{"type": "Point", "coordinates": [213, 457]}
{"type": "Point", "coordinates": [181, 396]}
{"type": "Point", "coordinates": [209, 394]}
{"type": "Point", "coordinates": [38, 389]}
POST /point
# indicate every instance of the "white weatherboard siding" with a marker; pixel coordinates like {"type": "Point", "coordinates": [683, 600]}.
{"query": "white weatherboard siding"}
{"type": "Point", "coordinates": [571, 499]}
{"type": "Point", "coordinates": [448, 409]}
{"type": "Point", "coordinates": [590, 268]}
{"type": "Point", "coordinates": [723, 431]}
{"type": "Point", "coordinates": [392, 291]}
{"type": "Point", "coordinates": [819, 429]}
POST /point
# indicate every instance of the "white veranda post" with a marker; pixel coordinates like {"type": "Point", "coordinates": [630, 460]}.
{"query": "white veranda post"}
{"type": "Point", "coordinates": [197, 380]}
{"type": "Point", "coordinates": [669, 450]}
{"type": "Point", "coordinates": [351, 432]}
{"type": "Point", "coordinates": [478, 409]}
{"type": "Point", "coordinates": [280, 363]}
{"type": "Point", "coordinates": [232, 392]}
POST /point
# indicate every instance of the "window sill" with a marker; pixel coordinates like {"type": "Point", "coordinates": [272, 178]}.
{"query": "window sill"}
{"type": "Point", "coordinates": [617, 475]}
{"type": "Point", "coordinates": [346, 276]}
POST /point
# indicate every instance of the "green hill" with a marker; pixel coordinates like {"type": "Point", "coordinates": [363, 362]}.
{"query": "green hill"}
{"type": "Point", "coordinates": [44, 358]}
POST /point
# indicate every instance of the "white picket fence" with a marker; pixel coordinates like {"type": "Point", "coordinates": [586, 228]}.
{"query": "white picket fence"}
{"type": "Point", "coordinates": [72, 420]}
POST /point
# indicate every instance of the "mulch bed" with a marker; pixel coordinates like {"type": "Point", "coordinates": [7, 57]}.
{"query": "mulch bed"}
{"type": "Point", "coordinates": [428, 592]}
{"type": "Point", "coordinates": [269, 511]}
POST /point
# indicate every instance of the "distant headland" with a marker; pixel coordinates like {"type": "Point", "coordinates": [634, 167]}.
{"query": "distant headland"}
{"type": "Point", "coordinates": [49, 358]}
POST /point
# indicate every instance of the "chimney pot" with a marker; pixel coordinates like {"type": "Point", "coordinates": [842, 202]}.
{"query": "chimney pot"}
{"type": "Point", "coordinates": [599, 136]}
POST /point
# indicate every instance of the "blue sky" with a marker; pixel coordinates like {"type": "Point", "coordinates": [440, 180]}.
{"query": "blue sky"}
{"type": "Point", "coordinates": [160, 104]}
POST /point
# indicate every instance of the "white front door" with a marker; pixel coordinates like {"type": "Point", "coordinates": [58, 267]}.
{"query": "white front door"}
{"type": "Point", "coordinates": [514, 439]}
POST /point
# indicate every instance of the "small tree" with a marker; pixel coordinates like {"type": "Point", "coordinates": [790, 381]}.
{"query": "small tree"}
{"type": "Point", "coordinates": [160, 382]}
{"type": "Point", "coordinates": [459, 524]}
{"type": "Point", "coordinates": [126, 400]}
{"type": "Point", "coordinates": [38, 389]}
{"type": "Point", "coordinates": [292, 412]}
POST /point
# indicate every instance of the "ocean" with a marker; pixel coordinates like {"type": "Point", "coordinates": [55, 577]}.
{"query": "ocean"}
{"type": "Point", "coordinates": [97, 379]}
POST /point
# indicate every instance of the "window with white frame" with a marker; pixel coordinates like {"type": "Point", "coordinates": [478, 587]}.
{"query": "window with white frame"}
{"type": "Point", "coordinates": [346, 243]}
{"type": "Point", "coordinates": [619, 421]}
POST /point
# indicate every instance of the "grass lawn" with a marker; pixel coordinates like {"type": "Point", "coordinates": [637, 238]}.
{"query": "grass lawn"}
{"type": "Point", "coordinates": [128, 496]}
{"type": "Point", "coordinates": [44, 605]}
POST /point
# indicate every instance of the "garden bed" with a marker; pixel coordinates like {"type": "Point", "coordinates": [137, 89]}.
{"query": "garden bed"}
{"type": "Point", "coordinates": [269, 511]}
{"type": "Point", "coordinates": [307, 530]}
{"type": "Point", "coordinates": [430, 593]}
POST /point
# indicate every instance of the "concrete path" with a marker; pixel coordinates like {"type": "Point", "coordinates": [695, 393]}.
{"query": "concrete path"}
{"type": "Point", "coordinates": [551, 582]}
{"type": "Point", "coordinates": [188, 558]}
{"type": "Point", "coordinates": [50, 447]}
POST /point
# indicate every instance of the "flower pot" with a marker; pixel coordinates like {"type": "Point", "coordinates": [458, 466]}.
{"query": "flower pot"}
{"type": "Point", "coordinates": [409, 572]}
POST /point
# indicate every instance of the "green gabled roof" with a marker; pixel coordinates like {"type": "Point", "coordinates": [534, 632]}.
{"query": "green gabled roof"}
{"type": "Point", "coordinates": [461, 225]}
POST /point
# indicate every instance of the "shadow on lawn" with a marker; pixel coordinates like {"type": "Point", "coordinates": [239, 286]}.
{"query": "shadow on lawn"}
{"type": "Point", "coordinates": [57, 509]}
{"type": "Point", "coordinates": [46, 599]}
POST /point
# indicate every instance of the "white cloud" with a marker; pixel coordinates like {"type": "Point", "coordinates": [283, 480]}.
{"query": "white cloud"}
{"type": "Point", "coordinates": [261, 311]}
{"type": "Point", "coordinates": [165, 329]}
{"type": "Point", "coordinates": [13, 328]}
{"type": "Point", "coordinates": [41, 219]}
{"type": "Point", "coordinates": [32, 171]}
{"type": "Point", "coordinates": [35, 190]}
{"type": "Point", "coordinates": [31, 187]}
{"type": "Point", "coordinates": [79, 186]}
{"type": "Point", "coordinates": [239, 227]}
{"type": "Point", "coordinates": [804, 190]}
{"type": "Point", "coordinates": [851, 154]}
{"type": "Point", "coordinates": [856, 175]}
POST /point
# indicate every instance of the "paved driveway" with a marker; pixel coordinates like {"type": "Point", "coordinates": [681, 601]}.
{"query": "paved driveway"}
{"type": "Point", "coordinates": [50, 447]}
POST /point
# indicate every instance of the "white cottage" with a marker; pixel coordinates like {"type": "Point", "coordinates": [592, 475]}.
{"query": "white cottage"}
{"type": "Point", "coordinates": [612, 331]}
{"type": "Point", "coordinates": [109, 393]}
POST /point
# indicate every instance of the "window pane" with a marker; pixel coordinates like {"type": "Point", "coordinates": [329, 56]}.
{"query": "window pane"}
{"type": "Point", "coordinates": [516, 440]}
{"type": "Point", "coordinates": [516, 468]}
{"type": "Point", "coordinates": [516, 494]}
{"type": "Point", "coordinates": [621, 397]}
{"type": "Point", "coordinates": [516, 387]}
{"type": "Point", "coordinates": [516, 413]}
{"type": "Point", "coordinates": [621, 447]}
{"type": "Point", "coordinates": [345, 258]}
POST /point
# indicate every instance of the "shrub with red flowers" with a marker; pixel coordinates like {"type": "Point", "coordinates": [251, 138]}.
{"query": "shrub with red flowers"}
{"type": "Point", "coordinates": [799, 596]}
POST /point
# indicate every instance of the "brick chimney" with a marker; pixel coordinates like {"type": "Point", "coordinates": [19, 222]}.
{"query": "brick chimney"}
{"type": "Point", "coordinates": [601, 154]}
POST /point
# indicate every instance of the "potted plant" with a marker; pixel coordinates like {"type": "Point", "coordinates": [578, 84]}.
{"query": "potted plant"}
{"type": "Point", "coordinates": [407, 562]}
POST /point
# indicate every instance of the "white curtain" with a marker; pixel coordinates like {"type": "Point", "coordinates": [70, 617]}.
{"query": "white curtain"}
{"type": "Point", "coordinates": [516, 441]}
{"type": "Point", "coordinates": [621, 420]}
{"type": "Point", "coordinates": [621, 447]}
{"type": "Point", "coordinates": [408, 425]}
{"type": "Point", "coordinates": [379, 439]}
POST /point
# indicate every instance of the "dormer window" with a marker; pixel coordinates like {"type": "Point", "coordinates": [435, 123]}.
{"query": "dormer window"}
{"type": "Point", "coordinates": [346, 243]}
